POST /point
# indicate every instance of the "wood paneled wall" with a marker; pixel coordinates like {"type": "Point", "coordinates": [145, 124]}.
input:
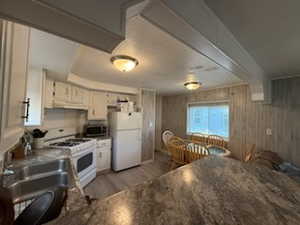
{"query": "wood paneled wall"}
{"type": "Point", "coordinates": [148, 133]}
{"type": "Point", "coordinates": [158, 123]}
{"type": "Point", "coordinates": [248, 120]}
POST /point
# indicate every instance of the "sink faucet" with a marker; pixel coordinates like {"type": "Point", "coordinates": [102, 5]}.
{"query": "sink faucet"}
{"type": "Point", "coordinates": [7, 160]}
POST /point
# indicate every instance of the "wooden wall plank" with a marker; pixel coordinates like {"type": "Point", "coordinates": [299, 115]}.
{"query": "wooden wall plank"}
{"type": "Point", "coordinates": [148, 98]}
{"type": "Point", "coordinates": [158, 123]}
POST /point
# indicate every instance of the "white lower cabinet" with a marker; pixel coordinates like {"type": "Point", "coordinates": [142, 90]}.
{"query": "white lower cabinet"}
{"type": "Point", "coordinates": [103, 153]}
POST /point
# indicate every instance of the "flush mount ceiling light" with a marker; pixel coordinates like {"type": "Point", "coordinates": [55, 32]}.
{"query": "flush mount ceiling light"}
{"type": "Point", "coordinates": [124, 63]}
{"type": "Point", "coordinates": [192, 85]}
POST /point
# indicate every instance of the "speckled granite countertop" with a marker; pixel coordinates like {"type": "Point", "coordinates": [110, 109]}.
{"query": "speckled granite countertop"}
{"type": "Point", "coordinates": [212, 191]}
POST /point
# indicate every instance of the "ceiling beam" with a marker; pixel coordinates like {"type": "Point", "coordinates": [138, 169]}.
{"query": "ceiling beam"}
{"type": "Point", "coordinates": [72, 19]}
{"type": "Point", "coordinates": [194, 24]}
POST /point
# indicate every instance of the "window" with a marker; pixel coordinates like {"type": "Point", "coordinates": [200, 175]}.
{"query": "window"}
{"type": "Point", "coordinates": [208, 119]}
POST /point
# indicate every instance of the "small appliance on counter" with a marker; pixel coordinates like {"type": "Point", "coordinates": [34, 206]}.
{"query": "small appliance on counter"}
{"type": "Point", "coordinates": [95, 130]}
{"type": "Point", "coordinates": [126, 106]}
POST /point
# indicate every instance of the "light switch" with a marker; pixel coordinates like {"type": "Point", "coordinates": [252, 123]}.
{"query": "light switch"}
{"type": "Point", "coordinates": [269, 131]}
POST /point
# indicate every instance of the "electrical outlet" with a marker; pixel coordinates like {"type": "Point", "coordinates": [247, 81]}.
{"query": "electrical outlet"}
{"type": "Point", "coordinates": [269, 131]}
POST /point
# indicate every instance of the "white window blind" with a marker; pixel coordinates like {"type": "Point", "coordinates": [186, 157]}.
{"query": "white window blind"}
{"type": "Point", "coordinates": [208, 119]}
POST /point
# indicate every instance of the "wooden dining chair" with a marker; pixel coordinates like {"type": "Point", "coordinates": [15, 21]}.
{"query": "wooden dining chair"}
{"type": "Point", "coordinates": [250, 153]}
{"type": "Point", "coordinates": [195, 151]}
{"type": "Point", "coordinates": [199, 137]}
{"type": "Point", "coordinates": [177, 148]}
{"type": "Point", "coordinates": [216, 140]}
{"type": "Point", "coordinates": [166, 136]}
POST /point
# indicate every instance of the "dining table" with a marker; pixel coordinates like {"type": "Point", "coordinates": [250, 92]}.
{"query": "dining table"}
{"type": "Point", "coordinates": [218, 151]}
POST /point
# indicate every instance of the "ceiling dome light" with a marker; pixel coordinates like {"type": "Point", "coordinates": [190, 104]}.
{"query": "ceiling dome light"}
{"type": "Point", "coordinates": [192, 85]}
{"type": "Point", "coordinates": [124, 63]}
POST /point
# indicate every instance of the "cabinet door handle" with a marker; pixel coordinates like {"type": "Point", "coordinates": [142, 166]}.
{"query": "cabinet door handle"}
{"type": "Point", "coordinates": [27, 104]}
{"type": "Point", "coordinates": [93, 111]}
{"type": "Point", "coordinates": [100, 154]}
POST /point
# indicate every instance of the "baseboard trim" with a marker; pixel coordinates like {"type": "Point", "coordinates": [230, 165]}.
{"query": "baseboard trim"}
{"type": "Point", "coordinates": [163, 151]}
{"type": "Point", "coordinates": [99, 173]}
{"type": "Point", "coordinates": [147, 161]}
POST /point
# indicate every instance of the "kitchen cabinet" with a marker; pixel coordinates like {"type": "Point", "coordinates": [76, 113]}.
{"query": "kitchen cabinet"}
{"type": "Point", "coordinates": [35, 92]}
{"type": "Point", "coordinates": [86, 98]}
{"type": "Point", "coordinates": [62, 94]}
{"type": "Point", "coordinates": [98, 106]}
{"type": "Point", "coordinates": [13, 77]}
{"type": "Point", "coordinates": [70, 96]}
{"type": "Point", "coordinates": [48, 94]}
{"type": "Point", "coordinates": [76, 95]}
{"type": "Point", "coordinates": [103, 153]}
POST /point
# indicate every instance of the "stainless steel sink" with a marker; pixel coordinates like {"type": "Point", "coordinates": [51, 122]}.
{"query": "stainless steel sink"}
{"type": "Point", "coordinates": [31, 181]}
{"type": "Point", "coordinates": [57, 166]}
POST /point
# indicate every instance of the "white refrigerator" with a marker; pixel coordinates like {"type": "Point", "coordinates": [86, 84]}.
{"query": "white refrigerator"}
{"type": "Point", "coordinates": [126, 131]}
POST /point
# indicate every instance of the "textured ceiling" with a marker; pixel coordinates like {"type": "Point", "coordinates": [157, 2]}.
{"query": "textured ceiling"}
{"type": "Point", "coordinates": [268, 29]}
{"type": "Point", "coordinates": [164, 62]}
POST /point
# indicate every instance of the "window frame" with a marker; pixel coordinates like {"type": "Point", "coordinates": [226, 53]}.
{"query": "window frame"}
{"type": "Point", "coordinates": [206, 103]}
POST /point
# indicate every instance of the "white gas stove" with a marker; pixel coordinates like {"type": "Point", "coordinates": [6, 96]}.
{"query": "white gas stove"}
{"type": "Point", "coordinates": [83, 152]}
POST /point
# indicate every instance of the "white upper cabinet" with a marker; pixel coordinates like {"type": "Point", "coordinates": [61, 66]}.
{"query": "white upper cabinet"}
{"type": "Point", "coordinates": [77, 95]}
{"type": "Point", "coordinates": [49, 94]}
{"type": "Point", "coordinates": [86, 98]}
{"type": "Point", "coordinates": [69, 96]}
{"type": "Point", "coordinates": [35, 87]}
{"type": "Point", "coordinates": [62, 94]}
{"type": "Point", "coordinates": [13, 78]}
{"type": "Point", "coordinates": [98, 106]}
{"type": "Point", "coordinates": [98, 24]}
{"type": "Point", "coordinates": [66, 96]}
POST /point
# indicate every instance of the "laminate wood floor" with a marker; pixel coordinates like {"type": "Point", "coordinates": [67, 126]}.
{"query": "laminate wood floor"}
{"type": "Point", "coordinates": [113, 182]}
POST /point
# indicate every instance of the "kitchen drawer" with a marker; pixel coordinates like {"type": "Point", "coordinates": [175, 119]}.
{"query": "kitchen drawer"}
{"type": "Point", "coordinates": [104, 143]}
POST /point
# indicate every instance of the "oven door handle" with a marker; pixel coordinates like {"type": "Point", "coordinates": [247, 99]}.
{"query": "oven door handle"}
{"type": "Point", "coordinates": [82, 153]}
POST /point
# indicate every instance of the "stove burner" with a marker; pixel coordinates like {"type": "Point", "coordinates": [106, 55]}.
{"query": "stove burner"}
{"type": "Point", "coordinates": [64, 144]}
{"type": "Point", "coordinates": [79, 140]}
